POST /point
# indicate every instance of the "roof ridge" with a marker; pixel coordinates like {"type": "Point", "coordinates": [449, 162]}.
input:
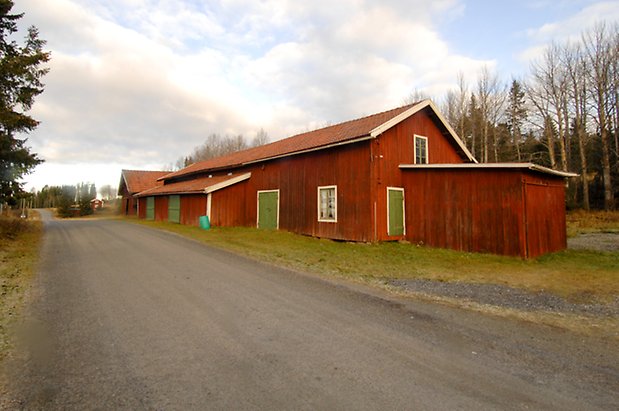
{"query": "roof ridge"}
{"type": "Point", "coordinates": [287, 145]}
{"type": "Point", "coordinates": [351, 121]}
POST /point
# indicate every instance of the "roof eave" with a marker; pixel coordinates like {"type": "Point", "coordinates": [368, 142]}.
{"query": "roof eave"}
{"type": "Point", "coordinates": [479, 166]}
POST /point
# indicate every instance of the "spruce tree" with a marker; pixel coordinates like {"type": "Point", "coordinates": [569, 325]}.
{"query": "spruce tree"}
{"type": "Point", "coordinates": [20, 82]}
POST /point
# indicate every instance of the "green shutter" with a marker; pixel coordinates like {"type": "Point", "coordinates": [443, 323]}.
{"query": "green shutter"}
{"type": "Point", "coordinates": [267, 209]}
{"type": "Point", "coordinates": [396, 212]}
{"type": "Point", "coordinates": [150, 208]}
{"type": "Point", "coordinates": [174, 209]}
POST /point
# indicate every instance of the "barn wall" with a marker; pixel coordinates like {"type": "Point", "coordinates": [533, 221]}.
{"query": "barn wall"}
{"type": "Point", "coordinates": [192, 207]}
{"type": "Point", "coordinates": [229, 206]}
{"type": "Point", "coordinates": [395, 147]}
{"type": "Point", "coordinates": [545, 215]}
{"type": "Point", "coordinates": [161, 208]}
{"type": "Point", "coordinates": [468, 210]}
{"type": "Point", "coordinates": [297, 178]}
{"type": "Point", "coordinates": [141, 207]}
{"type": "Point", "coordinates": [128, 202]}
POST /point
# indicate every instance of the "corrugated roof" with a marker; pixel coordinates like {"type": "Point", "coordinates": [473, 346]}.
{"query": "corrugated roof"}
{"type": "Point", "coordinates": [195, 186]}
{"type": "Point", "coordinates": [140, 180]}
{"type": "Point", "coordinates": [339, 133]}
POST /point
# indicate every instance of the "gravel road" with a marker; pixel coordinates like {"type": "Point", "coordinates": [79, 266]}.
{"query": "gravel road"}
{"type": "Point", "coordinates": [126, 317]}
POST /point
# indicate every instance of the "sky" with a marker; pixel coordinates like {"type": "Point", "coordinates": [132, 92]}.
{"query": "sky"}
{"type": "Point", "coordinates": [136, 84]}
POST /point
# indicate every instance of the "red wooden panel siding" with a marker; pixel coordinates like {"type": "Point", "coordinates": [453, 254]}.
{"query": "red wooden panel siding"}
{"type": "Point", "coordinates": [141, 207]}
{"type": "Point", "coordinates": [468, 210]}
{"type": "Point", "coordinates": [161, 208]}
{"type": "Point", "coordinates": [192, 207]}
{"type": "Point", "coordinates": [228, 206]}
{"type": "Point", "coordinates": [395, 147]}
{"type": "Point", "coordinates": [297, 178]}
{"type": "Point", "coordinates": [545, 216]}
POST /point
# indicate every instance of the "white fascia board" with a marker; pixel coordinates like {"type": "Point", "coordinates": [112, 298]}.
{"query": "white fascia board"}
{"type": "Point", "coordinates": [415, 109]}
{"type": "Point", "coordinates": [399, 118]}
{"type": "Point", "coordinates": [229, 182]}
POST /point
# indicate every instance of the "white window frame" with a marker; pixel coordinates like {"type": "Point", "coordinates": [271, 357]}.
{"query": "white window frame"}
{"type": "Point", "coordinates": [327, 220]}
{"type": "Point", "coordinates": [403, 209]}
{"type": "Point", "coordinates": [415, 149]}
{"type": "Point", "coordinates": [258, 205]}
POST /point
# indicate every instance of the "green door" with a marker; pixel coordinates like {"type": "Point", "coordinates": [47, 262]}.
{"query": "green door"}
{"type": "Point", "coordinates": [395, 203]}
{"type": "Point", "coordinates": [268, 202]}
{"type": "Point", "coordinates": [150, 208]}
{"type": "Point", "coordinates": [174, 209]}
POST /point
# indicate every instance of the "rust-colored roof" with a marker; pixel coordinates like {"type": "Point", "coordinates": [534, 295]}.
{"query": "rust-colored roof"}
{"type": "Point", "coordinates": [339, 133]}
{"type": "Point", "coordinates": [199, 185]}
{"type": "Point", "coordinates": [140, 180]}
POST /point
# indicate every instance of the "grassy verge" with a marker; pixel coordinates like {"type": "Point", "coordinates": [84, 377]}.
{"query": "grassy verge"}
{"type": "Point", "coordinates": [19, 246]}
{"type": "Point", "coordinates": [579, 276]}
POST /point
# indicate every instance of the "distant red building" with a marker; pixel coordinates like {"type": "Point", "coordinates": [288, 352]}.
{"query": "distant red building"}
{"type": "Point", "coordinates": [402, 174]}
{"type": "Point", "coordinates": [96, 204]}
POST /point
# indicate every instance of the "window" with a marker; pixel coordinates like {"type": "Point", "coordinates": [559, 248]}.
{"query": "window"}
{"type": "Point", "coordinates": [421, 150]}
{"type": "Point", "coordinates": [327, 204]}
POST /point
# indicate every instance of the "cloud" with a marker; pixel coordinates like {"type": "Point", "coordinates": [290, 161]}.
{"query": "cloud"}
{"type": "Point", "coordinates": [568, 29]}
{"type": "Point", "coordinates": [144, 81]}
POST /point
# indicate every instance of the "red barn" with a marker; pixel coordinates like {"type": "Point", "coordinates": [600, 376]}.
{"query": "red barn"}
{"type": "Point", "coordinates": [402, 174]}
{"type": "Point", "coordinates": [131, 183]}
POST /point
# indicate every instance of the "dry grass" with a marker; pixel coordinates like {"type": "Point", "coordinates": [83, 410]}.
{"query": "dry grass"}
{"type": "Point", "coordinates": [19, 246]}
{"type": "Point", "coordinates": [580, 222]}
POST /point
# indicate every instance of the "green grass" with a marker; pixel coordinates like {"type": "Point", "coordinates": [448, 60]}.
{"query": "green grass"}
{"type": "Point", "coordinates": [576, 275]}
{"type": "Point", "coordinates": [19, 250]}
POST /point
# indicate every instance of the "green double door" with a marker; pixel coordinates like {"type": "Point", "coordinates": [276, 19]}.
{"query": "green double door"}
{"type": "Point", "coordinates": [268, 209]}
{"type": "Point", "coordinates": [395, 206]}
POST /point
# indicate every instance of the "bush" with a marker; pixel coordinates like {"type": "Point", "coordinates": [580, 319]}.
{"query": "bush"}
{"type": "Point", "coordinates": [11, 227]}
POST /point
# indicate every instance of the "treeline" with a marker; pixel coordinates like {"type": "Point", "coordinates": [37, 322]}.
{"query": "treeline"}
{"type": "Point", "coordinates": [67, 199]}
{"type": "Point", "coordinates": [217, 145]}
{"type": "Point", "coordinates": [564, 115]}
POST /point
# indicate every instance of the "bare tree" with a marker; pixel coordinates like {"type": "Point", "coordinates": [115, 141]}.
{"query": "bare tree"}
{"type": "Point", "coordinates": [516, 115]}
{"type": "Point", "coordinates": [598, 52]}
{"type": "Point", "coordinates": [548, 92]}
{"type": "Point", "coordinates": [455, 106]}
{"type": "Point", "coordinates": [490, 99]}
{"type": "Point", "coordinates": [260, 139]}
{"type": "Point", "coordinates": [107, 192]}
{"type": "Point", "coordinates": [416, 96]}
{"type": "Point", "coordinates": [615, 86]}
{"type": "Point", "coordinates": [576, 68]}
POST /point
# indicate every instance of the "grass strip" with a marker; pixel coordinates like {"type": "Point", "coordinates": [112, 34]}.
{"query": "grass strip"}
{"type": "Point", "coordinates": [19, 251]}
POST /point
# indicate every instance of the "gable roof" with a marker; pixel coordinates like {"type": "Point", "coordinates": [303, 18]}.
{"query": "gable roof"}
{"type": "Point", "coordinates": [202, 185]}
{"type": "Point", "coordinates": [352, 131]}
{"type": "Point", "coordinates": [140, 180]}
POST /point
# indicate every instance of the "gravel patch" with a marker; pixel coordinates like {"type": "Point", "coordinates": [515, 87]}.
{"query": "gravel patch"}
{"type": "Point", "coordinates": [595, 241]}
{"type": "Point", "coordinates": [506, 297]}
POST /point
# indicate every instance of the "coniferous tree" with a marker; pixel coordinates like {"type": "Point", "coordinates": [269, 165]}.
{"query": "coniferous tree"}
{"type": "Point", "coordinates": [516, 115]}
{"type": "Point", "coordinates": [20, 83]}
